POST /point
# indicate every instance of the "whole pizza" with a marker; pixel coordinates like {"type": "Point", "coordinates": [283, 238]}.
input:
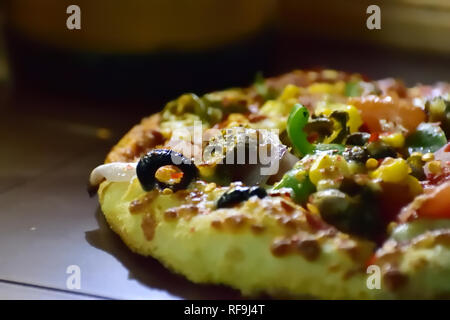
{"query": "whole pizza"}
{"type": "Point", "coordinates": [314, 184]}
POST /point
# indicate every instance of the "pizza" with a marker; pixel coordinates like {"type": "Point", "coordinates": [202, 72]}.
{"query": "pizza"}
{"type": "Point", "coordinates": [313, 184]}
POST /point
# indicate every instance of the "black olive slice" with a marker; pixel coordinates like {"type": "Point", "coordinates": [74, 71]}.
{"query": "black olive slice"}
{"type": "Point", "coordinates": [358, 139]}
{"type": "Point", "coordinates": [155, 159]}
{"type": "Point", "coordinates": [380, 150]}
{"type": "Point", "coordinates": [240, 194]}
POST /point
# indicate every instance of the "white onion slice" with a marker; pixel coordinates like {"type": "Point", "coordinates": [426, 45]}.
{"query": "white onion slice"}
{"type": "Point", "coordinates": [115, 172]}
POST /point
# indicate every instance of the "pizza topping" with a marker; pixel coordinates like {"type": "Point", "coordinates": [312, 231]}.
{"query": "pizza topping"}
{"type": "Point", "coordinates": [318, 128]}
{"type": "Point", "coordinates": [416, 164]}
{"type": "Point", "coordinates": [211, 108]}
{"type": "Point", "coordinates": [227, 101]}
{"type": "Point", "coordinates": [328, 169]}
{"type": "Point", "coordinates": [188, 103]}
{"type": "Point", "coordinates": [358, 139]}
{"type": "Point", "coordinates": [392, 170]}
{"type": "Point", "coordinates": [297, 180]}
{"type": "Point", "coordinates": [297, 120]}
{"type": "Point", "coordinates": [356, 153]}
{"type": "Point", "coordinates": [395, 140]}
{"type": "Point", "coordinates": [239, 194]}
{"type": "Point", "coordinates": [428, 137]}
{"type": "Point", "coordinates": [115, 172]}
{"type": "Point", "coordinates": [160, 164]}
{"type": "Point", "coordinates": [327, 109]}
{"type": "Point", "coordinates": [435, 204]}
{"type": "Point", "coordinates": [398, 114]}
{"type": "Point", "coordinates": [437, 170]}
{"type": "Point", "coordinates": [380, 150]}
{"type": "Point", "coordinates": [243, 154]}
{"type": "Point", "coordinates": [169, 174]}
{"type": "Point", "coordinates": [438, 110]}
{"type": "Point", "coordinates": [356, 215]}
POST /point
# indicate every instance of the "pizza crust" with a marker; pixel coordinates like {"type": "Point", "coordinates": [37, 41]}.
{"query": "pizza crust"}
{"type": "Point", "coordinates": [236, 254]}
{"type": "Point", "coordinates": [138, 141]}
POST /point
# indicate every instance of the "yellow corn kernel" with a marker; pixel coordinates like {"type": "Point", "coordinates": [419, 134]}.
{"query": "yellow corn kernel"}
{"type": "Point", "coordinates": [320, 88]}
{"type": "Point", "coordinates": [339, 87]}
{"type": "Point", "coordinates": [316, 172]}
{"type": "Point", "coordinates": [330, 74]}
{"type": "Point", "coordinates": [328, 167]}
{"type": "Point", "coordinates": [435, 167]}
{"type": "Point", "coordinates": [327, 88]}
{"type": "Point", "coordinates": [396, 140]}
{"type": "Point", "coordinates": [416, 154]}
{"type": "Point", "coordinates": [167, 191]}
{"type": "Point", "coordinates": [428, 157]}
{"type": "Point", "coordinates": [392, 170]}
{"type": "Point", "coordinates": [275, 108]}
{"type": "Point", "coordinates": [290, 92]}
{"type": "Point", "coordinates": [371, 164]}
{"type": "Point", "coordinates": [354, 117]}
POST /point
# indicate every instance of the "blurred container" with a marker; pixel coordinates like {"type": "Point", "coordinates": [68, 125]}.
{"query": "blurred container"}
{"type": "Point", "coordinates": [143, 47]}
{"type": "Point", "coordinates": [422, 25]}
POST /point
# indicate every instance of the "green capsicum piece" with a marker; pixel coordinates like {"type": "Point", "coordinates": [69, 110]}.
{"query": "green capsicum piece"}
{"type": "Point", "coordinates": [298, 118]}
{"type": "Point", "coordinates": [428, 137]}
{"type": "Point", "coordinates": [353, 89]}
{"type": "Point", "coordinates": [298, 181]}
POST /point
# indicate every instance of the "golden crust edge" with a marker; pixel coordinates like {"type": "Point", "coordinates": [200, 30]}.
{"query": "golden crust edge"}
{"type": "Point", "coordinates": [125, 149]}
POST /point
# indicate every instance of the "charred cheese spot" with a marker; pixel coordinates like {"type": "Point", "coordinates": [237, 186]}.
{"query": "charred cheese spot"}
{"type": "Point", "coordinates": [148, 226]}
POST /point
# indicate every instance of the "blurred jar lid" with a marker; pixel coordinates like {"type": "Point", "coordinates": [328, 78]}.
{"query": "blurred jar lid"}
{"type": "Point", "coordinates": [135, 26]}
